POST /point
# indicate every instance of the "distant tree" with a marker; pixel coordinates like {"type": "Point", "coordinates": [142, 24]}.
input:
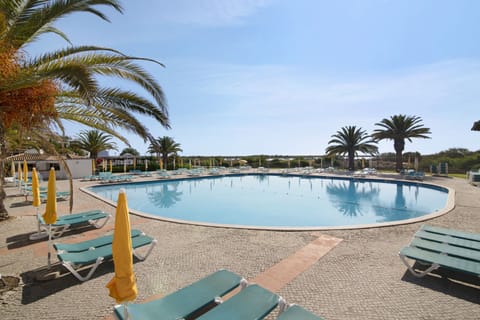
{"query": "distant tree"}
{"type": "Point", "coordinates": [350, 140]}
{"type": "Point", "coordinates": [400, 128]}
{"type": "Point", "coordinates": [165, 147]}
{"type": "Point", "coordinates": [455, 153]}
{"type": "Point", "coordinates": [131, 151]}
{"type": "Point", "coordinates": [94, 141]}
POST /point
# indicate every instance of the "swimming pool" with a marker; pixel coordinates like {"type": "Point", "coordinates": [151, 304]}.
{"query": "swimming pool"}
{"type": "Point", "coordinates": [280, 202]}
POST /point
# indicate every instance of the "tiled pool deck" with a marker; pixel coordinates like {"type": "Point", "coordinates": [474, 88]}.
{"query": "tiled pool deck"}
{"type": "Point", "coordinates": [338, 274]}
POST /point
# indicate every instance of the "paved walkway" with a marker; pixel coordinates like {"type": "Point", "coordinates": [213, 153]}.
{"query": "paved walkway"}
{"type": "Point", "coordinates": [348, 274]}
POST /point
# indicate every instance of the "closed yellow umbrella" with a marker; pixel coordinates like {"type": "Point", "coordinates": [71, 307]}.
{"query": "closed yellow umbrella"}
{"type": "Point", "coordinates": [35, 189]}
{"type": "Point", "coordinates": [122, 287]}
{"type": "Point", "coordinates": [19, 178]}
{"type": "Point", "coordinates": [50, 215]}
{"type": "Point", "coordinates": [36, 203]}
{"type": "Point", "coordinates": [25, 172]}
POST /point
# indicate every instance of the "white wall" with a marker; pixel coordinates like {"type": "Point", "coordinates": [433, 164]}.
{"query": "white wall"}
{"type": "Point", "coordinates": [78, 167]}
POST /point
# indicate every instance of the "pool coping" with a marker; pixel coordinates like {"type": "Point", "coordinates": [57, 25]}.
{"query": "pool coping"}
{"type": "Point", "coordinates": [449, 206]}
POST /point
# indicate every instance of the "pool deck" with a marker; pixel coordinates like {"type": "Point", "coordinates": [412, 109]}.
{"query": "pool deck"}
{"type": "Point", "coordinates": [337, 274]}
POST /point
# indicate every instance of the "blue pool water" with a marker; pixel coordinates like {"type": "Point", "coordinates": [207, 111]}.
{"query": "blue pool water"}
{"type": "Point", "coordinates": [280, 201]}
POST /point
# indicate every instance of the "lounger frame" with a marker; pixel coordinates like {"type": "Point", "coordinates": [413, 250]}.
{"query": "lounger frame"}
{"type": "Point", "coordinates": [94, 256]}
{"type": "Point", "coordinates": [70, 221]}
{"type": "Point", "coordinates": [441, 247]}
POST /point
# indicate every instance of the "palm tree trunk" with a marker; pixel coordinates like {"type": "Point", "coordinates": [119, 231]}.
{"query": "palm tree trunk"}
{"type": "Point", "coordinates": [399, 145]}
{"type": "Point", "coordinates": [351, 161]}
{"type": "Point", "coordinates": [165, 160]}
{"type": "Point", "coordinates": [3, 154]}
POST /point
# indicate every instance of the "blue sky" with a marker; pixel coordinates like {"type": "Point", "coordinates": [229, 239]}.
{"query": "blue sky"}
{"type": "Point", "coordinates": [249, 77]}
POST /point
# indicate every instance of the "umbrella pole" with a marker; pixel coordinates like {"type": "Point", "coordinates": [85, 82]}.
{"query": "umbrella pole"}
{"type": "Point", "coordinates": [39, 234]}
{"type": "Point", "coordinates": [38, 222]}
{"type": "Point", "coordinates": [125, 311]}
{"type": "Point", "coordinates": [48, 245]}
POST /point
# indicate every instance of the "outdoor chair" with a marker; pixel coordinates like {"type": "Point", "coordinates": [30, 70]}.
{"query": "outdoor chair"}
{"type": "Point", "coordinates": [60, 195]}
{"type": "Point", "coordinates": [204, 296]}
{"type": "Point", "coordinates": [89, 244]}
{"type": "Point", "coordinates": [446, 248]}
{"type": "Point", "coordinates": [443, 168]}
{"type": "Point", "coordinates": [99, 250]}
{"type": "Point", "coordinates": [186, 301]}
{"type": "Point", "coordinates": [70, 221]}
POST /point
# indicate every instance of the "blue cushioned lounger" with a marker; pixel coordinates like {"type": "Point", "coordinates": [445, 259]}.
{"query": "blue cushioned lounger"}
{"type": "Point", "coordinates": [90, 244]}
{"type": "Point", "coordinates": [70, 221]}
{"type": "Point", "coordinates": [443, 247]}
{"type": "Point", "coordinates": [96, 255]}
{"type": "Point", "coordinates": [184, 302]}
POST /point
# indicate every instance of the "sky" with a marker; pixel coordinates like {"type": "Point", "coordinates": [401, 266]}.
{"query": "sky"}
{"type": "Point", "coordinates": [280, 77]}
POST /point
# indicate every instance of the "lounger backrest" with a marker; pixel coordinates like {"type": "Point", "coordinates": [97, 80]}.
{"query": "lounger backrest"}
{"type": "Point", "coordinates": [252, 303]}
{"type": "Point", "coordinates": [90, 256]}
{"type": "Point", "coordinates": [186, 301]}
{"type": "Point", "coordinates": [94, 243]}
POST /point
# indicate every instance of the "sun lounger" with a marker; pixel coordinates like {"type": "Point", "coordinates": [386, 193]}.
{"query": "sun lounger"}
{"type": "Point", "coordinates": [70, 221]}
{"type": "Point", "coordinates": [295, 312]}
{"type": "Point", "coordinates": [89, 244]}
{"type": "Point", "coordinates": [252, 303]}
{"type": "Point", "coordinates": [186, 301]}
{"type": "Point", "coordinates": [101, 251]}
{"type": "Point", "coordinates": [442, 247]}
{"type": "Point", "coordinates": [60, 195]}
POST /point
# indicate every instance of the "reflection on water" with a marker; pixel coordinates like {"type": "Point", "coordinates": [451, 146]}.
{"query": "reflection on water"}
{"type": "Point", "coordinates": [347, 196]}
{"type": "Point", "coordinates": [167, 196]}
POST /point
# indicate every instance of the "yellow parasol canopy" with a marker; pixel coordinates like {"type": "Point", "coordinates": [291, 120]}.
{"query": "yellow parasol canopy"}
{"type": "Point", "coordinates": [35, 189]}
{"type": "Point", "coordinates": [19, 173]}
{"type": "Point", "coordinates": [123, 286]}
{"type": "Point", "coordinates": [25, 171]}
{"type": "Point", "coordinates": [50, 215]}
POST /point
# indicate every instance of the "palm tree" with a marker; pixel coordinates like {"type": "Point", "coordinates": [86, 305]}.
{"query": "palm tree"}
{"type": "Point", "coordinates": [94, 141]}
{"type": "Point", "coordinates": [350, 140]}
{"type": "Point", "coordinates": [36, 93]}
{"type": "Point", "coordinates": [398, 128]}
{"type": "Point", "coordinates": [166, 147]}
{"type": "Point", "coordinates": [130, 150]}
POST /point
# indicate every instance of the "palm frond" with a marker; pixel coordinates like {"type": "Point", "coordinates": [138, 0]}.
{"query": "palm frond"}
{"type": "Point", "coordinates": [29, 19]}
